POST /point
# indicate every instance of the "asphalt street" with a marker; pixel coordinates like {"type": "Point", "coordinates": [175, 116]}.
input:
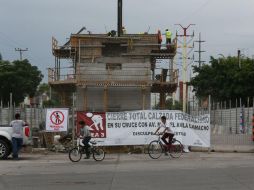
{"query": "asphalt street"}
{"type": "Point", "coordinates": [209, 171]}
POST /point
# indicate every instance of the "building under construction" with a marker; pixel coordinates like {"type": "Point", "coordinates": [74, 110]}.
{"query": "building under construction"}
{"type": "Point", "coordinates": [114, 71]}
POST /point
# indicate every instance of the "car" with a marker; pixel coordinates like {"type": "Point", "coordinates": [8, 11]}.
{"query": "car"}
{"type": "Point", "coordinates": [5, 140]}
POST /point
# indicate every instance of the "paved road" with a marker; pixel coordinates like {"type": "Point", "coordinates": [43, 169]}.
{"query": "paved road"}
{"type": "Point", "coordinates": [130, 172]}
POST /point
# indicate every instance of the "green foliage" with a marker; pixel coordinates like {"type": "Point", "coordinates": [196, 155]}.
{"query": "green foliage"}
{"type": "Point", "coordinates": [51, 103]}
{"type": "Point", "coordinates": [223, 79]}
{"type": "Point", "coordinates": [169, 105]}
{"type": "Point", "coordinates": [43, 88]}
{"type": "Point", "coordinates": [1, 58]}
{"type": "Point", "coordinates": [19, 78]}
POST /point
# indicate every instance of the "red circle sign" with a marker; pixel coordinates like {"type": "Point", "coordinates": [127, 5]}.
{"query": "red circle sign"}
{"type": "Point", "coordinates": [57, 117]}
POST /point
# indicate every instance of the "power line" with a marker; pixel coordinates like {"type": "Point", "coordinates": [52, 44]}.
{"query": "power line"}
{"type": "Point", "coordinates": [196, 11]}
{"type": "Point", "coordinates": [21, 52]}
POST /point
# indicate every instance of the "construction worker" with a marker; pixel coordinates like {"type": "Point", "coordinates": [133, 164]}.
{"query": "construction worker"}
{"type": "Point", "coordinates": [124, 30]}
{"type": "Point", "coordinates": [112, 33]}
{"type": "Point", "coordinates": [159, 39]}
{"type": "Point", "coordinates": [168, 36]}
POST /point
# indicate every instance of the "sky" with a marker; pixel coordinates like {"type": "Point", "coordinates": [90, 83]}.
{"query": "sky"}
{"type": "Point", "coordinates": [225, 25]}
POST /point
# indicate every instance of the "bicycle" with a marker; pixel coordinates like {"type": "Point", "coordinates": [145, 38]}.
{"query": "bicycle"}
{"type": "Point", "coordinates": [156, 148]}
{"type": "Point", "coordinates": [75, 154]}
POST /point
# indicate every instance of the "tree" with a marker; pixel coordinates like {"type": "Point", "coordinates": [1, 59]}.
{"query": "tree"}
{"type": "Point", "coordinates": [169, 105]}
{"type": "Point", "coordinates": [1, 58]}
{"type": "Point", "coordinates": [223, 79]}
{"type": "Point", "coordinates": [43, 88]}
{"type": "Point", "coordinates": [19, 78]}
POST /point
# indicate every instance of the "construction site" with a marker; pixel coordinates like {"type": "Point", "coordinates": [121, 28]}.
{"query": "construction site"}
{"type": "Point", "coordinates": [115, 71]}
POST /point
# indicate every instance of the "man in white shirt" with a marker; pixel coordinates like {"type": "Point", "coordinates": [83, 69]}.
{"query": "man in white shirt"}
{"type": "Point", "coordinates": [166, 133]}
{"type": "Point", "coordinates": [17, 135]}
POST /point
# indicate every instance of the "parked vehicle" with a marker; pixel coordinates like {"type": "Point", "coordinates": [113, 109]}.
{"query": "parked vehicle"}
{"type": "Point", "coordinates": [5, 140]}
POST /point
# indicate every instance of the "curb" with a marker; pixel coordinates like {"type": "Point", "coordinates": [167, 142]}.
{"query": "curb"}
{"type": "Point", "coordinates": [225, 148]}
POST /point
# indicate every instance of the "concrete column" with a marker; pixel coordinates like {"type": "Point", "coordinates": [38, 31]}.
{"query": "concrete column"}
{"type": "Point", "coordinates": [143, 91]}
{"type": "Point", "coordinates": [105, 98]}
{"type": "Point", "coordinates": [162, 100]}
{"type": "Point", "coordinates": [85, 99]}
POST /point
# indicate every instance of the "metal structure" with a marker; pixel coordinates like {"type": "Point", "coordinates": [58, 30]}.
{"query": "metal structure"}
{"type": "Point", "coordinates": [21, 52]}
{"type": "Point", "coordinates": [200, 51]}
{"type": "Point", "coordinates": [113, 64]}
{"type": "Point", "coordinates": [185, 66]}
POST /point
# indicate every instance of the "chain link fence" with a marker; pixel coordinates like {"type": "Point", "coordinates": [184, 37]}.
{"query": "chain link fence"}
{"type": "Point", "coordinates": [231, 120]}
{"type": "Point", "coordinates": [231, 124]}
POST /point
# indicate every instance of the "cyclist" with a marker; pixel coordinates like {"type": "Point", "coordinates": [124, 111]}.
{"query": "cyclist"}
{"type": "Point", "coordinates": [85, 132]}
{"type": "Point", "coordinates": [166, 133]}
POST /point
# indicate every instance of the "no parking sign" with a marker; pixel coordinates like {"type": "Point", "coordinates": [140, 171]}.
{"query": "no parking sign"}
{"type": "Point", "coordinates": [57, 119]}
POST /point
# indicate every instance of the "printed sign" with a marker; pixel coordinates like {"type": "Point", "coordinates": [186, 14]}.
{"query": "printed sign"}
{"type": "Point", "coordinates": [138, 127]}
{"type": "Point", "coordinates": [57, 120]}
{"type": "Point", "coordinates": [162, 64]}
{"type": "Point", "coordinates": [95, 121]}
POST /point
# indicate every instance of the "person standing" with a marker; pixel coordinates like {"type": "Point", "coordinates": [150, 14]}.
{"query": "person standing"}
{"type": "Point", "coordinates": [159, 39]}
{"type": "Point", "coordinates": [168, 37]}
{"type": "Point", "coordinates": [124, 31]}
{"type": "Point", "coordinates": [17, 135]}
{"type": "Point", "coordinates": [85, 132]}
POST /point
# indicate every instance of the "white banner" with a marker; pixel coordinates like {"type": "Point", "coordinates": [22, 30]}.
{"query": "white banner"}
{"type": "Point", "coordinates": [57, 119]}
{"type": "Point", "coordinates": [137, 127]}
{"type": "Point", "coordinates": [162, 64]}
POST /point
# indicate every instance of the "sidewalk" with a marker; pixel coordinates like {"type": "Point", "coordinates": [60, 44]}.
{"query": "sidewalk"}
{"type": "Point", "coordinates": [226, 148]}
{"type": "Point", "coordinates": [213, 148]}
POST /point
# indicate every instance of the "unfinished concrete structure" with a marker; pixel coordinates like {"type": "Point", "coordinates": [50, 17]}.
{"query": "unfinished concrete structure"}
{"type": "Point", "coordinates": [113, 72]}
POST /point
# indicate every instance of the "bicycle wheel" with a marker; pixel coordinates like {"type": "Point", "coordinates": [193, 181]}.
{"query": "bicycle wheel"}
{"type": "Point", "coordinates": [176, 149]}
{"type": "Point", "coordinates": [155, 149]}
{"type": "Point", "coordinates": [75, 155]}
{"type": "Point", "coordinates": [98, 154]}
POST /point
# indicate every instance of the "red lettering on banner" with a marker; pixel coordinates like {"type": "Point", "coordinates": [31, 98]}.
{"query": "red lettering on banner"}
{"type": "Point", "coordinates": [56, 127]}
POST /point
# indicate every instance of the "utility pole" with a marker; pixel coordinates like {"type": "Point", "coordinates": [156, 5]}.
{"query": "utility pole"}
{"type": "Point", "coordinates": [185, 35]}
{"type": "Point", "coordinates": [239, 58]}
{"type": "Point", "coordinates": [200, 62]}
{"type": "Point", "coordinates": [119, 17]}
{"type": "Point", "coordinates": [21, 52]}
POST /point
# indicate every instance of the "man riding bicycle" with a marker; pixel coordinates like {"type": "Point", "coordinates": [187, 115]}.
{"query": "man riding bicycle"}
{"type": "Point", "coordinates": [166, 133]}
{"type": "Point", "coordinates": [85, 132]}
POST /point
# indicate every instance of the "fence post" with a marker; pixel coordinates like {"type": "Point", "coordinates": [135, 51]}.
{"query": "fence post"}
{"type": "Point", "coordinates": [253, 127]}
{"type": "Point", "coordinates": [253, 104]}
{"type": "Point", "coordinates": [230, 127]}
{"type": "Point", "coordinates": [248, 116]}
{"type": "Point", "coordinates": [241, 117]}
{"type": "Point", "coordinates": [214, 113]}
{"type": "Point", "coordinates": [1, 109]}
{"type": "Point", "coordinates": [193, 105]}
{"type": "Point", "coordinates": [209, 104]}
{"type": "Point", "coordinates": [31, 121]}
{"type": "Point", "coordinates": [236, 131]}
{"type": "Point", "coordinates": [10, 109]}
{"type": "Point", "coordinates": [221, 113]}
{"type": "Point", "coordinates": [209, 112]}
{"type": "Point", "coordinates": [73, 120]}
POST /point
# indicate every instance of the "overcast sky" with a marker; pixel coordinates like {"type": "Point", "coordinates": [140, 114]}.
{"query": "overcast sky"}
{"type": "Point", "coordinates": [226, 25]}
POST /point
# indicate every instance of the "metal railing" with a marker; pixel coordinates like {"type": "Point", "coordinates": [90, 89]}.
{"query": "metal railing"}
{"type": "Point", "coordinates": [128, 75]}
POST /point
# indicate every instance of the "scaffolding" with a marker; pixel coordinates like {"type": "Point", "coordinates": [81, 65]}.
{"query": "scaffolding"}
{"type": "Point", "coordinates": [102, 61]}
